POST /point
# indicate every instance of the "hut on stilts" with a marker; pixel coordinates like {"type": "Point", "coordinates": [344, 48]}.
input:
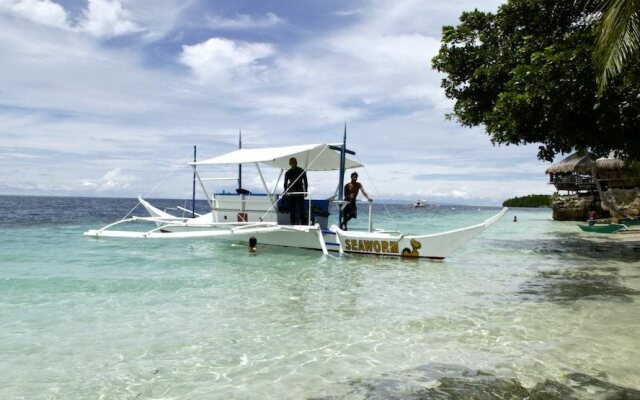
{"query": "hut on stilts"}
{"type": "Point", "coordinates": [604, 186]}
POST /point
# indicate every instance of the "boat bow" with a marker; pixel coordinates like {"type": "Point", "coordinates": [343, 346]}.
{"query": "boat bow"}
{"type": "Point", "coordinates": [435, 246]}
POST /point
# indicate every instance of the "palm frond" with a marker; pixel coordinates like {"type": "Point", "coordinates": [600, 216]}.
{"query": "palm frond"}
{"type": "Point", "coordinates": [618, 38]}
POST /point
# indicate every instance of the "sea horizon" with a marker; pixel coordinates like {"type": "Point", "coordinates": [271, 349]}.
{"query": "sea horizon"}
{"type": "Point", "coordinates": [377, 201]}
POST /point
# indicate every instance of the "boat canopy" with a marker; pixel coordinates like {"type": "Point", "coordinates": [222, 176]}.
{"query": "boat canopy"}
{"type": "Point", "coordinates": [311, 157]}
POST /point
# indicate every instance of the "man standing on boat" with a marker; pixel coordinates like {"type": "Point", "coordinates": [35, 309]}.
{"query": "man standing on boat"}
{"type": "Point", "coordinates": [351, 191]}
{"type": "Point", "coordinates": [295, 188]}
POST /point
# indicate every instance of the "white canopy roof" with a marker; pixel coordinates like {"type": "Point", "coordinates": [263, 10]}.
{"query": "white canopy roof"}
{"type": "Point", "coordinates": [312, 157]}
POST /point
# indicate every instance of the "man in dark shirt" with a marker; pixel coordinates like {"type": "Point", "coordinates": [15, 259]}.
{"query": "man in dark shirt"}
{"type": "Point", "coordinates": [295, 187]}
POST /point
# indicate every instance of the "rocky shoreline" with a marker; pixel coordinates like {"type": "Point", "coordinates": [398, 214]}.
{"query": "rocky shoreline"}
{"type": "Point", "coordinates": [576, 207]}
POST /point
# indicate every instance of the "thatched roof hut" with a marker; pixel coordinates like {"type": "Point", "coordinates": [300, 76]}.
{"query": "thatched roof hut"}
{"type": "Point", "coordinates": [574, 173]}
{"type": "Point", "coordinates": [580, 163]}
{"type": "Point", "coordinates": [609, 164]}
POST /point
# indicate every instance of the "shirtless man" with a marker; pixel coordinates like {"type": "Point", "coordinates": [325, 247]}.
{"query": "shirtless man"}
{"type": "Point", "coordinates": [351, 191]}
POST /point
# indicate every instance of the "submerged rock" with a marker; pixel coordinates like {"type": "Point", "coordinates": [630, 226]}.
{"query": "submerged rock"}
{"type": "Point", "coordinates": [450, 382]}
{"type": "Point", "coordinates": [606, 390]}
{"type": "Point", "coordinates": [573, 285]}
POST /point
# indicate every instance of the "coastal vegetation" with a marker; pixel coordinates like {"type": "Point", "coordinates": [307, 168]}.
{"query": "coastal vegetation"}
{"type": "Point", "coordinates": [532, 200]}
{"type": "Point", "coordinates": [527, 75]}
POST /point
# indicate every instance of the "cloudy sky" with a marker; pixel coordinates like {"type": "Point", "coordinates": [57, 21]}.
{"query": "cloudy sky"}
{"type": "Point", "coordinates": [108, 97]}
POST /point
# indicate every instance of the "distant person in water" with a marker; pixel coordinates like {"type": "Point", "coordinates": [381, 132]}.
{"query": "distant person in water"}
{"type": "Point", "coordinates": [253, 243]}
{"type": "Point", "coordinates": [295, 188]}
{"type": "Point", "coordinates": [515, 218]}
{"type": "Point", "coordinates": [351, 191]}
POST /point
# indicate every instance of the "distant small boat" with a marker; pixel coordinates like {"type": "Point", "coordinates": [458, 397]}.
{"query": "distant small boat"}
{"type": "Point", "coordinates": [420, 204]}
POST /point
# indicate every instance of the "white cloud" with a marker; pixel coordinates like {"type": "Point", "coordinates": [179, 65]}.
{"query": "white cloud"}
{"type": "Point", "coordinates": [101, 18]}
{"type": "Point", "coordinates": [43, 12]}
{"type": "Point", "coordinates": [398, 63]}
{"type": "Point", "coordinates": [244, 21]}
{"type": "Point", "coordinates": [336, 76]}
{"type": "Point", "coordinates": [48, 71]}
{"type": "Point", "coordinates": [220, 59]}
{"type": "Point", "coordinates": [459, 194]}
{"type": "Point", "coordinates": [348, 13]}
{"type": "Point", "coordinates": [14, 156]}
{"type": "Point", "coordinates": [112, 180]}
{"type": "Point", "coordinates": [107, 18]}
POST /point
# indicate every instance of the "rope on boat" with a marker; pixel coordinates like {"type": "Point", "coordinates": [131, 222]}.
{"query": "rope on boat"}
{"type": "Point", "coordinates": [175, 172]}
{"type": "Point", "coordinates": [378, 192]}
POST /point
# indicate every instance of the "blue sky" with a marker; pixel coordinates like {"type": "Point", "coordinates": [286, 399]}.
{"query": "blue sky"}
{"type": "Point", "coordinates": [108, 97]}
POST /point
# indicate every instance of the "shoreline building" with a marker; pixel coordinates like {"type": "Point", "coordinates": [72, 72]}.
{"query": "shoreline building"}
{"type": "Point", "coordinates": [579, 175]}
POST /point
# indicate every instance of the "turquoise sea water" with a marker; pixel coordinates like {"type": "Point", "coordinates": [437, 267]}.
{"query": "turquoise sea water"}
{"type": "Point", "coordinates": [530, 308]}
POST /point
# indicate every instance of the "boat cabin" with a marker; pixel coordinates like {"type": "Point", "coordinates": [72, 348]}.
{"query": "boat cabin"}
{"type": "Point", "coordinates": [271, 205]}
{"type": "Point", "coordinates": [249, 207]}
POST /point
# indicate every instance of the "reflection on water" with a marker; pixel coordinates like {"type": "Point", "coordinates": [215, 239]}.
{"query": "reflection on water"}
{"type": "Point", "coordinates": [577, 284]}
{"type": "Point", "coordinates": [572, 246]}
{"type": "Point", "coordinates": [569, 266]}
{"type": "Point", "coordinates": [437, 381]}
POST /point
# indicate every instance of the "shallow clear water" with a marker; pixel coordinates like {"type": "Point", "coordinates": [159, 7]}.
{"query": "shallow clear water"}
{"type": "Point", "coordinates": [529, 306]}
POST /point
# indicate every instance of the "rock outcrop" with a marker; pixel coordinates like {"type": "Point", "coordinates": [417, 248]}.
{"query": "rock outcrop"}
{"type": "Point", "coordinates": [625, 203]}
{"type": "Point", "coordinates": [576, 207]}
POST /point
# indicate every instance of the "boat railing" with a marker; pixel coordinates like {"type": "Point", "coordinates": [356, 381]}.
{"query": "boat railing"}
{"type": "Point", "coordinates": [370, 216]}
{"type": "Point", "coordinates": [309, 209]}
{"type": "Point", "coordinates": [387, 231]}
{"type": "Point", "coordinates": [252, 225]}
{"type": "Point", "coordinates": [244, 203]}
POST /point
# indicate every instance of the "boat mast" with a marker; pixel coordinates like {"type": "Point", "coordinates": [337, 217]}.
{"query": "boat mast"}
{"type": "Point", "coordinates": [240, 165]}
{"type": "Point", "coordinates": [193, 192]}
{"type": "Point", "coordinates": [343, 150]}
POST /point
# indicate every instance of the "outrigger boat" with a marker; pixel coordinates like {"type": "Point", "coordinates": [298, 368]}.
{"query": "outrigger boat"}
{"type": "Point", "coordinates": [239, 216]}
{"type": "Point", "coordinates": [625, 226]}
{"type": "Point", "coordinates": [603, 228]}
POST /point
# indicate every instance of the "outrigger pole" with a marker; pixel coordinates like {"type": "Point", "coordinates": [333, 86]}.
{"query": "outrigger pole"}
{"type": "Point", "coordinates": [193, 193]}
{"type": "Point", "coordinates": [343, 150]}
{"type": "Point", "coordinates": [240, 165]}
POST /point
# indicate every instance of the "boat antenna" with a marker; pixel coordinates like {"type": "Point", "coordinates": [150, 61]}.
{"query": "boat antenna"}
{"type": "Point", "coordinates": [193, 192]}
{"type": "Point", "coordinates": [343, 150]}
{"type": "Point", "coordinates": [240, 165]}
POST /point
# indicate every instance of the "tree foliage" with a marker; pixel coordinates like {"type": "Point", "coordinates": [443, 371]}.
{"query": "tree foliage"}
{"type": "Point", "coordinates": [532, 200]}
{"type": "Point", "coordinates": [526, 74]}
